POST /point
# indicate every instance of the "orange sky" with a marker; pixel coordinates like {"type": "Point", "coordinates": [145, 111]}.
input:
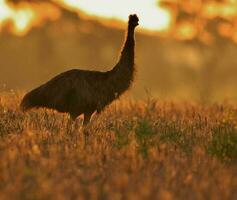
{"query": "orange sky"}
{"type": "Point", "coordinates": [21, 18]}
{"type": "Point", "coordinates": [24, 16]}
{"type": "Point", "coordinates": [152, 16]}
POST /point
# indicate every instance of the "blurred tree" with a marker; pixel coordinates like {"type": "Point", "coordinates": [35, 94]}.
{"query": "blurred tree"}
{"type": "Point", "coordinates": [34, 1]}
{"type": "Point", "coordinates": [211, 26]}
{"type": "Point", "coordinates": [209, 19]}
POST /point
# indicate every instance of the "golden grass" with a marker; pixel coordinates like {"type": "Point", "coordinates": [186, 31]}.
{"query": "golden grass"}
{"type": "Point", "coordinates": [133, 150]}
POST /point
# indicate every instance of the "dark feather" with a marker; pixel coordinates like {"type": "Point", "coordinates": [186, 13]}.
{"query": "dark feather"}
{"type": "Point", "coordinates": [84, 92]}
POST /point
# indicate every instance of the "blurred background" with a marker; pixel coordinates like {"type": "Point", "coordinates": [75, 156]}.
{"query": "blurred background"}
{"type": "Point", "coordinates": [185, 50]}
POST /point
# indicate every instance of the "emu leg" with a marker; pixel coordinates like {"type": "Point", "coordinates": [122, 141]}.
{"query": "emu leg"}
{"type": "Point", "coordinates": [87, 117]}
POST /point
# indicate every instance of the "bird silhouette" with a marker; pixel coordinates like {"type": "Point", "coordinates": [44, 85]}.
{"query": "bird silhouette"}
{"type": "Point", "coordinates": [84, 92]}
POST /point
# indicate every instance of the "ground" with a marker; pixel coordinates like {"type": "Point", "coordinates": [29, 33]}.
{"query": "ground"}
{"type": "Point", "coordinates": [133, 150]}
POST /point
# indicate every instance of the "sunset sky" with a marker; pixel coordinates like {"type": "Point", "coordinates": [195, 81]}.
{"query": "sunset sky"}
{"type": "Point", "coordinates": [24, 16]}
{"type": "Point", "coordinates": [155, 15]}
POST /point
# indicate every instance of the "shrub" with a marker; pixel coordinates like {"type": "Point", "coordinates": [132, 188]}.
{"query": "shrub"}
{"type": "Point", "coordinates": [224, 142]}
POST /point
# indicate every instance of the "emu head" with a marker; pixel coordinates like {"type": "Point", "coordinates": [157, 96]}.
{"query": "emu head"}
{"type": "Point", "coordinates": [133, 20]}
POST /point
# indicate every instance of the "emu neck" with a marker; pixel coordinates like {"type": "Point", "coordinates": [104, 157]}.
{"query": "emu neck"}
{"type": "Point", "coordinates": [123, 70]}
{"type": "Point", "coordinates": [127, 55]}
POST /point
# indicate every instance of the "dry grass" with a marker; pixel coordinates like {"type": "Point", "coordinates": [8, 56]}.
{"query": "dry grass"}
{"type": "Point", "coordinates": [134, 150]}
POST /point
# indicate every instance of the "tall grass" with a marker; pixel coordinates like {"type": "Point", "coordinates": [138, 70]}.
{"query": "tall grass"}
{"type": "Point", "coordinates": [133, 150]}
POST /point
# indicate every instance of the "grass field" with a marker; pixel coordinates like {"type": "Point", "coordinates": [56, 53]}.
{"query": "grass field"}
{"type": "Point", "coordinates": [133, 150]}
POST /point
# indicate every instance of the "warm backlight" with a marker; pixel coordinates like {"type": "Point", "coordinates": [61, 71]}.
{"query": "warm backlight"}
{"type": "Point", "coordinates": [21, 18]}
{"type": "Point", "coordinates": [167, 16]}
{"type": "Point", "coordinates": [152, 16]}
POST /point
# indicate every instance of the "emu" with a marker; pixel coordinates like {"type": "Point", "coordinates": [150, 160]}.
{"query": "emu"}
{"type": "Point", "coordinates": [84, 92]}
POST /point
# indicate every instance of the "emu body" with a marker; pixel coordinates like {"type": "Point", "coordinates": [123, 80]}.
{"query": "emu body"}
{"type": "Point", "coordinates": [84, 92]}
